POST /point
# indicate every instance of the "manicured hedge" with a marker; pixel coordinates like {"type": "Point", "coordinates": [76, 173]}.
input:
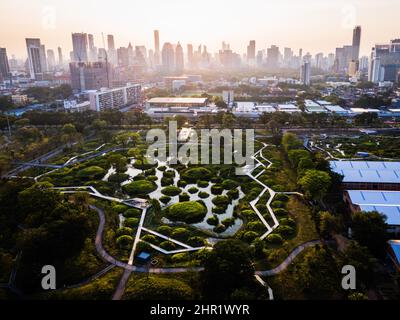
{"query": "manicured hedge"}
{"type": "Point", "coordinates": [171, 191]}
{"type": "Point", "coordinates": [189, 212]}
{"type": "Point", "coordinates": [140, 187]}
{"type": "Point", "coordinates": [195, 174]}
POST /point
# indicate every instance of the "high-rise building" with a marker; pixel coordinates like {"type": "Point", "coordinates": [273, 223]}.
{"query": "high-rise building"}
{"type": "Point", "coordinates": [90, 75]}
{"type": "Point", "coordinates": [92, 49]}
{"type": "Point", "coordinates": [131, 55]}
{"type": "Point", "coordinates": [305, 73]}
{"type": "Point", "coordinates": [376, 71]}
{"type": "Point", "coordinates": [260, 58]}
{"type": "Point", "coordinates": [273, 57]}
{"type": "Point", "coordinates": [141, 56]}
{"type": "Point", "coordinates": [364, 64]}
{"type": "Point", "coordinates": [43, 58]}
{"type": "Point", "coordinates": [51, 60]}
{"type": "Point", "coordinates": [123, 57]}
{"type": "Point", "coordinates": [179, 59]}
{"type": "Point", "coordinates": [156, 47]}
{"type": "Point", "coordinates": [107, 99]}
{"type": "Point", "coordinates": [168, 57]}
{"type": "Point", "coordinates": [251, 52]}
{"type": "Point", "coordinates": [60, 56]}
{"type": "Point", "coordinates": [4, 66]}
{"type": "Point", "coordinates": [356, 43]}
{"type": "Point", "coordinates": [112, 53]}
{"type": "Point", "coordinates": [190, 55]}
{"type": "Point", "coordinates": [80, 47]}
{"type": "Point", "coordinates": [34, 58]}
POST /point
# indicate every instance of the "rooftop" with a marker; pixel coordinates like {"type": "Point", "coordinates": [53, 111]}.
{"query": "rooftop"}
{"type": "Point", "coordinates": [386, 202]}
{"type": "Point", "coordinates": [395, 245]}
{"type": "Point", "coordinates": [368, 171]}
{"type": "Point", "coordinates": [174, 100]}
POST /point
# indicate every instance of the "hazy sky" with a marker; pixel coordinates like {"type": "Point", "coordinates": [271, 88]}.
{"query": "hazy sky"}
{"type": "Point", "coordinates": [314, 25]}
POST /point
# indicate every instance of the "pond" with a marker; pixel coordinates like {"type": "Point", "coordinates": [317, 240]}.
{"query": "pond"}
{"type": "Point", "coordinates": [133, 172]}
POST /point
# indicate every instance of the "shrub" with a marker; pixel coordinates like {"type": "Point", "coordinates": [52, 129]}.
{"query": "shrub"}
{"type": "Point", "coordinates": [281, 197]}
{"type": "Point", "coordinates": [182, 183]}
{"type": "Point", "coordinates": [262, 208]}
{"type": "Point", "coordinates": [219, 209]}
{"type": "Point", "coordinates": [221, 201]}
{"type": "Point", "coordinates": [202, 184]}
{"type": "Point", "coordinates": [152, 178]}
{"type": "Point", "coordinates": [150, 239]}
{"type": "Point", "coordinates": [287, 222]}
{"type": "Point", "coordinates": [195, 174]}
{"type": "Point", "coordinates": [189, 212]}
{"type": "Point", "coordinates": [280, 212]}
{"type": "Point", "coordinates": [219, 229]}
{"type": "Point", "coordinates": [164, 230]}
{"type": "Point", "coordinates": [180, 234]}
{"type": "Point", "coordinates": [119, 208]}
{"type": "Point", "coordinates": [171, 191]}
{"type": "Point", "coordinates": [132, 213]}
{"type": "Point", "coordinates": [278, 204]}
{"type": "Point", "coordinates": [184, 197]}
{"type": "Point", "coordinates": [229, 184]}
{"type": "Point", "coordinates": [249, 214]}
{"type": "Point", "coordinates": [166, 181]}
{"type": "Point", "coordinates": [140, 187]}
{"type": "Point", "coordinates": [167, 245]}
{"type": "Point", "coordinates": [213, 221]}
{"type": "Point", "coordinates": [216, 189]}
{"type": "Point", "coordinates": [180, 257]}
{"type": "Point", "coordinates": [233, 194]}
{"type": "Point", "coordinates": [203, 195]}
{"type": "Point", "coordinates": [256, 226]}
{"type": "Point", "coordinates": [124, 231]}
{"type": "Point", "coordinates": [228, 222]}
{"type": "Point", "coordinates": [286, 231]}
{"type": "Point", "coordinates": [249, 236]}
{"type": "Point", "coordinates": [275, 239]}
{"type": "Point", "coordinates": [165, 199]}
{"type": "Point", "coordinates": [125, 241]}
{"type": "Point", "coordinates": [118, 178]}
{"type": "Point", "coordinates": [93, 172]}
{"type": "Point", "coordinates": [162, 168]}
{"type": "Point", "coordinates": [196, 241]}
{"type": "Point", "coordinates": [193, 190]}
{"type": "Point", "coordinates": [131, 222]}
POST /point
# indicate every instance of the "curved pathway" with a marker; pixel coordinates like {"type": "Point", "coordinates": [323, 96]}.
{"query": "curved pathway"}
{"type": "Point", "coordinates": [288, 260]}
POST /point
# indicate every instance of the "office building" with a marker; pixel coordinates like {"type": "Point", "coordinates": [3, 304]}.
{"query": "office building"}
{"type": "Point", "coordinates": [4, 65]}
{"type": "Point", "coordinates": [90, 75]}
{"type": "Point", "coordinates": [356, 43]}
{"type": "Point", "coordinates": [80, 47]}
{"type": "Point", "coordinates": [273, 57]}
{"type": "Point", "coordinates": [35, 58]}
{"type": "Point", "coordinates": [156, 48]}
{"type": "Point", "coordinates": [251, 52]}
{"type": "Point", "coordinates": [305, 73]}
{"type": "Point", "coordinates": [123, 57]}
{"type": "Point", "coordinates": [60, 56]}
{"type": "Point", "coordinates": [179, 59]}
{"type": "Point", "coordinates": [190, 56]}
{"type": "Point", "coordinates": [168, 57]}
{"type": "Point", "coordinates": [228, 96]}
{"type": "Point", "coordinates": [112, 53]}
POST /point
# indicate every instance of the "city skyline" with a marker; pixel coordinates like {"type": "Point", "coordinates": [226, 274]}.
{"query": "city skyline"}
{"type": "Point", "coordinates": [320, 27]}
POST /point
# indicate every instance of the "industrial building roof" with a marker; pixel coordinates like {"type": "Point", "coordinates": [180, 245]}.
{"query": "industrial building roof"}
{"type": "Point", "coordinates": [337, 109]}
{"type": "Point", "coordinates": [178, 100]}
{"type": "Point", "coordinates": [386, 202]}
{"type": "Point", "coordinates": [368, 171]}
{"type": "Point", "coordinates": [395, 245]}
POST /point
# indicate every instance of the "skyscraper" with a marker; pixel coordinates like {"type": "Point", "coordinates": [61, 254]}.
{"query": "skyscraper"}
{"type": "Point", "coordinates": [92, 49]}
{"type": "Point", "coordinates": [168, 57]}
{"type": "Point", "coordinates": [43, 58]}
{"type": "Point", "coordinates": [51, 60]}
{"type": "Point", "coordinates": [34, 57]}
{"type": "Point", "coordinates": [273, 57]}
{"type": "Point", "coordinates": [90, 75]}
{"type": "Point", "coordinates": [4, 66]}
{"type": "Point", "coordinates": [156, 47]}
{"type": "Point", "coordinates": [80, 47]}
{"type": "Point", "coordinates": [305, 73]}
{"type": "Point", "coordinates": [112, 53]}
{"type": "Point", "coordinates": [190, 56]}
{"type": "Point", "coordinates": [179, 60]}
{"type": "Point", "coordinates": [251, 52]}
{"type": "Point", "coordinates": [123, 57]}
{"type": "Point", "coordinates": [356, 43]}
{"type": "Point", "coordinates": [60, 56]}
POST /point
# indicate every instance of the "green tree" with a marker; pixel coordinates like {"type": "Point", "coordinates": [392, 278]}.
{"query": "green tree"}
{"type": "Point", "coordinates": [315, 184]}
{"type": "Point", "coordinates": [370, 230]}
{"type": "Point", "coordinates": [328, 224]}
{"type": "Point", "coordinates": [226, 268]}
